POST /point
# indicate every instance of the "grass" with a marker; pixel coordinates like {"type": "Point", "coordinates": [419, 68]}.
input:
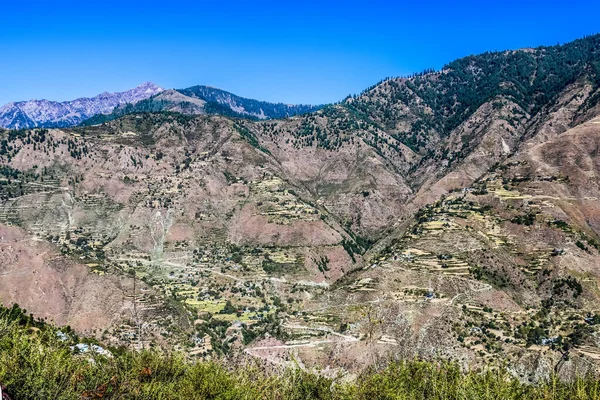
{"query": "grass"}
{"type": "Point", "coordinates": [36, 364]}
{"type": "Point", "coordinates": [211, 306]}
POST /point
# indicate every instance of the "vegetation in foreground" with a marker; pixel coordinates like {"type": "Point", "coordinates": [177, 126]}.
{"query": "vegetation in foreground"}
{"type": "Point", "coordinates": [38, 361]}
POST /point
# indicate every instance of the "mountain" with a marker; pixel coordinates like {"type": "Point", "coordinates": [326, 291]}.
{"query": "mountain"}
{"type": "Point", "coordinates": [45, 113]}
{"type": "Point", "coordinates": [199, 100]}
{"type": "Point", "coordinates": [247, 107]}
{"type": "Point", "coordinates": [447, 214]}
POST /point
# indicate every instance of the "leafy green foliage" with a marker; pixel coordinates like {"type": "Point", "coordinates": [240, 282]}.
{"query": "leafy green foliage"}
{"type": "Point", "coordinates": [37, 362]}
{"type": "Point", "coordinates": [527, 219]}
{"type": "Point", "coordinates": [322, 263]}
{"type": "Point", "coordinates": [568, 283]}
{"type": "Point", "coordinates": [272, 267]}
{"type": "Point", "coordinates": [250, 137]}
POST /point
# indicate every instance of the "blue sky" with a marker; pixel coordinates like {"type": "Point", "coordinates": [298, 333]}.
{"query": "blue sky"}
{"type": "Point", "coordinates": [289, 51]}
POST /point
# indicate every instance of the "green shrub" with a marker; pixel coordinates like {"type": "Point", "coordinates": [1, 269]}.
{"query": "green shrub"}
{"type": "Point", "coordinates": [35, 363]}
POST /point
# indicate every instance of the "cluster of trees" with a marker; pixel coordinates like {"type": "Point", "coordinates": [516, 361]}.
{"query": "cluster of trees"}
{"type": "Point", "coordinates": [219, 99]}
{"type": "Point", "coordinates": [438, 102]}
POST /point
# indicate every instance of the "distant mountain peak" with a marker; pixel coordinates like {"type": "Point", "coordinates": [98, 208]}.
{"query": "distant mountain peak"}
{"type": "Point", "coordinates": [46, 113]}
{"type": "Point", "coordinates": [149, 87]}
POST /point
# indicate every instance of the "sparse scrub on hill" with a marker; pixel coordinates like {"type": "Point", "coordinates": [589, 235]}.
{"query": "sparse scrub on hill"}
{"type": "Point", "coordinates": [37, 362]}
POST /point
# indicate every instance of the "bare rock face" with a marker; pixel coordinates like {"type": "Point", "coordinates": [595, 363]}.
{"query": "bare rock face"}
{"type": "Point", "coordinates": [451, 214]}
{"type": "Point", "coordinates": [64, 292]}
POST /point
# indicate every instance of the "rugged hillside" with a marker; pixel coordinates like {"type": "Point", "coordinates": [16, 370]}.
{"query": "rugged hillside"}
{"type": "Point", "coordinates": [181, 202]}
{"type": "Point", "coordinates": [45, 113]}
{"type": "Point", "coordinates": [114, 307]}
{"type": "Point", "coordinates": [504, 271]}
{"type": "Point", "coordinates": [515, 256]}
{"type": "Point", "coordinates": [452, 213]}
{"type": "Point", "coordinates": [479, 109]}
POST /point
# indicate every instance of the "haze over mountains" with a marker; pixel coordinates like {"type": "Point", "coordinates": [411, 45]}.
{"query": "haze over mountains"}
{"type": "Point", "coordinates": [148, 97]}
{"type": "Point", "coordinates": [453, 213]}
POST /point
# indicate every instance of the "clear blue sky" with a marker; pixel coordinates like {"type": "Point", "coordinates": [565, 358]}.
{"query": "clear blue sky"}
{"type": "Point", "coordinates": [289, 51]}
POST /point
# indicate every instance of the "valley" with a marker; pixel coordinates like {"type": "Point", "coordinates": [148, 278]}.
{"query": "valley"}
{"type": "Point", "coordinates": [451, 215]}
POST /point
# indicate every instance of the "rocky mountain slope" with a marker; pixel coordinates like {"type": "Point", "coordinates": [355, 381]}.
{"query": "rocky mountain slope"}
{"type": "Point", "coordinates": [453, 214]}
{"type": "Point", "coordinates": [45, 113]}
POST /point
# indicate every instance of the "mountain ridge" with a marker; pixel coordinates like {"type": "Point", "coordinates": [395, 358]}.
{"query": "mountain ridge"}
{"type": "Point", "coordinates": [45, 113]}
{"type": "Point", "coordinates": [200, 99]}
{"type": "Point", "coordinates": [147, 97]}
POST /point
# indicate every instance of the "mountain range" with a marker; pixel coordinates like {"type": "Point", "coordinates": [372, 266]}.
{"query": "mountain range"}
{"type": "Point", "coordinates": [147, 97]}
{"type": "Point", "coordinates": [452, 214]}
{"type": "Point", "coordinates": [45, 113]}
